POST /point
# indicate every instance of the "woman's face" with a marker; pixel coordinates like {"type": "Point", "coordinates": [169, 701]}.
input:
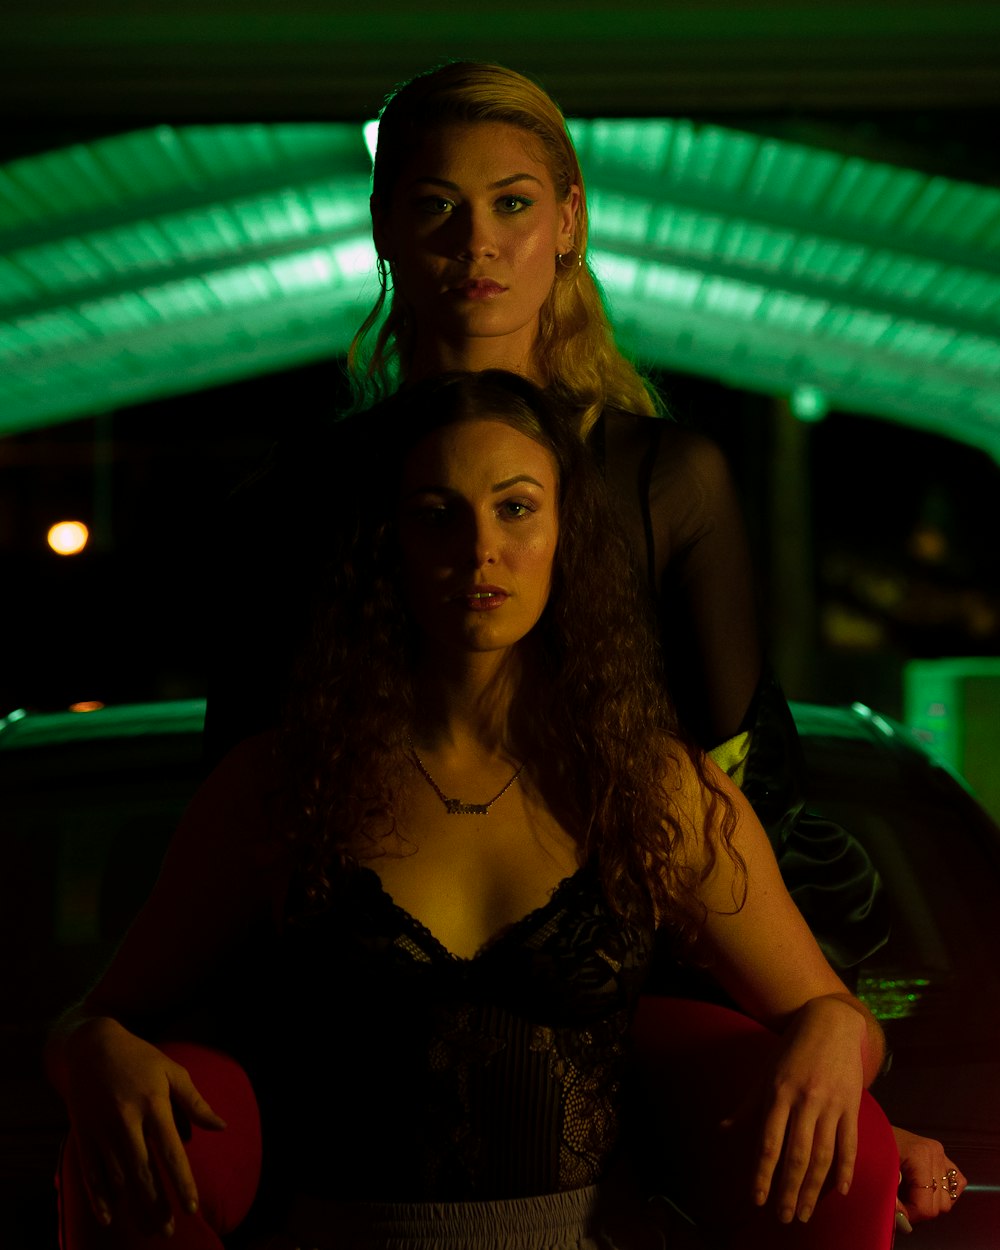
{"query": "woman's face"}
{"type": "Point", "coordinates": [472, 234]}
{"type": "Point", "coordinates": [478, 524]}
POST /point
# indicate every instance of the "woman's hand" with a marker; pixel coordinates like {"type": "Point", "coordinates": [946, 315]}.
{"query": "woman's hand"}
{"type": "Point", "coordinates": [124, 1097]}
{"type": "Point", "coordinates": [931, 1182]}
{"type": "Point", "coordinates": [808, 1109]}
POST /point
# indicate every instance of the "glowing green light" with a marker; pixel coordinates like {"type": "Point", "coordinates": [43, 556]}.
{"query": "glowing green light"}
{"type": "Point", "coordinates": [809, 403]}
{"type": "Point", "coordinates": [128, 263]}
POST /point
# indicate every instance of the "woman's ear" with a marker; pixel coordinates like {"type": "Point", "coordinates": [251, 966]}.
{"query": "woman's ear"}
{"type": "Point", "coordinates": [569, 210]}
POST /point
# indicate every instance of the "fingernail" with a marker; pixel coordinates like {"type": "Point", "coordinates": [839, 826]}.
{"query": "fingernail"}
{"type": "Point", "coordinates": [786, 1215]}
{"type": "Point", "coordinates": [845, 1188]}
{"type": "Point", "coordinates": [805, 1212]}
{"type": "Point", "coordinates": [192, 1206]}
{"type": "Point", "coordinates": [760, 1197]}
{"type": "Point", "coordinates": [902, 1223]}
{"type": "Point", "coordinates": [104, 1216]}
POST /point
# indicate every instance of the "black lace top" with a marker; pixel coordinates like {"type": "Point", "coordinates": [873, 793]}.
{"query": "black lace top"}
{"type": "Point", "coordinates": [445, 1078]}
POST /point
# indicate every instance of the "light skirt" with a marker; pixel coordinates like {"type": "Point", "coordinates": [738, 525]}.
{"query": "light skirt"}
{"type": "Point", "coordinates": [596, 1218]}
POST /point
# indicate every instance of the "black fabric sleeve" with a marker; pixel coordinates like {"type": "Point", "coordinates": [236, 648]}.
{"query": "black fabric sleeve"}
{"type": "Point", "coordinates": [676, 496]}
{"type": "Point", "coordinates": [708, 613]}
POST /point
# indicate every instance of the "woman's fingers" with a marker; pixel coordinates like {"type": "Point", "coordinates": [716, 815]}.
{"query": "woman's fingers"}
{"type": "Point", "coordinates": [137, 1166]}
{"type": "Point", "coordinates": [96, 1183]}
{"type": "Point", "coordinates": [188, 1106]}
{"type": "Point", "coordinates": [143, 1188]}
{"type": "Point", "coordinates": [813, 1150]}
{"type": "Point", "coordinates": [119, 1175]}
{"type": "Point", "coordinates": [169, 1150]}
{"type": "Point", "coordinates": [187, 1099]}
{"type": "Point", "coordinates": [772, 1141]}
{"type": "Point", "coordinates": [931, 1183]}
{"type": "Point", "coordinates": [806, 1166]}
{"type": "Point", "coordinates": [831, 1156]}
{"type": "Point", "coordinates": [794, 1185]}
{"type": "Point", "coordinates": [813, 1105]}
{"type": "Point", "coordinates": [847, 1153]}
{"type": "Point", "coordinates": [132, 1107]}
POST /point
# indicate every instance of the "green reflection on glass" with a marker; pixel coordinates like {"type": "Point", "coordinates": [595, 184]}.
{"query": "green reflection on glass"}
{"type": "Point", "coordinates": [892, 998]}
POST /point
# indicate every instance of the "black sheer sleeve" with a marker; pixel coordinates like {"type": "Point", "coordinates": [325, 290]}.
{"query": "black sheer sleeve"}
{"type": "Point", "coordinates": [677, 498]}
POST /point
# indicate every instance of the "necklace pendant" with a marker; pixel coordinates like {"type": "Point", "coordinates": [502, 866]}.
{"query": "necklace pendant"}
{"type": "Point", "coordinates": [457, 808]}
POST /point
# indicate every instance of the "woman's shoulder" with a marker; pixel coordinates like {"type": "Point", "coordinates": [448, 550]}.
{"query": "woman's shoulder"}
{"type": "Point", "coordinates": [672, 447]}
{"type": "Point", "coordinates": [251, 767]}
{"type": "Point", "coordinates": [235, 811]}
{"type": "Point", "coordinates": [684, 481]}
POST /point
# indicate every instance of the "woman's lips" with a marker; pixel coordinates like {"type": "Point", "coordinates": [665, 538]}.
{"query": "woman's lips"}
{"type": "Point", "coordinates": [482, 598]}
{"type": "Point", "coordinates": [480, 289]}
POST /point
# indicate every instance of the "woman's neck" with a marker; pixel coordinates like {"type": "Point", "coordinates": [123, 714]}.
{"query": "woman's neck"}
{"type": "Point", "coordinates": [469, 704]}
{"type": "Point", "coordinates": [473, 355]}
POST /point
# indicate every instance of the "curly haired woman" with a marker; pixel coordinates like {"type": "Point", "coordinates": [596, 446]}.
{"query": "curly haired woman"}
{"type": "Point", "coordinates": [441, 883]}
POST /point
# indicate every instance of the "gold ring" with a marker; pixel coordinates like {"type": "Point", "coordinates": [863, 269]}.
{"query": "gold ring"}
{"type": "Point", "coordinates": [950, 1179]}
{"type": "Point", "coordinates": [932, 1186]}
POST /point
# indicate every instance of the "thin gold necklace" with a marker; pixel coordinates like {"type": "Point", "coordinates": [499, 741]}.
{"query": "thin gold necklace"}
{"type": "Point", "coordinates": [455, 807]}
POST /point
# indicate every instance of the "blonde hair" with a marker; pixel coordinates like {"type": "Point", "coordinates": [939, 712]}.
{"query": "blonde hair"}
{"type": "Point", "coordinates": [576, 353]}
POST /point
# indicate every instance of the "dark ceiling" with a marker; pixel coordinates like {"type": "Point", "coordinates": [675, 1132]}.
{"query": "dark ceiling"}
{"type": "Point", "coordinates": [103, 60]}
{"type": "Point", "coordinates": [916, 84]}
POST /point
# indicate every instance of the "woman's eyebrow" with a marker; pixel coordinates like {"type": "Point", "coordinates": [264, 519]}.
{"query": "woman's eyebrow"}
{"type": "Point", "coordinates": [521, 477]}
{"type": "Point", "coordinates": [506, 182]}
{"type": "Point", "coordinates": [431, 489]}
{"type": "Point", "coordinates": [432, 180]}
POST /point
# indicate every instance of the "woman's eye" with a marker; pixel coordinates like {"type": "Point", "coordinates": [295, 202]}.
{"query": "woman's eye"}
{"type": "Point", "coordinates": [515, 203]}
{"type": "Point", "coordinates": [431, 516]}
{"type": "Point", "coordinates": [514, 509]}
{"type": "Point", "coordinates": [435, 205]}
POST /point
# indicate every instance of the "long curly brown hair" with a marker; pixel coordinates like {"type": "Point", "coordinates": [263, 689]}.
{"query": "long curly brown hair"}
{"type": "Point", "coordinates": [601, 717]}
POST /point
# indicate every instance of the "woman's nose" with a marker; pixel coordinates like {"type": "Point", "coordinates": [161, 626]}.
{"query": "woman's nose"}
{"type": "Point", "coordinates": [477, 238]}
{"type": "Point", "coordinates": [484, 545]}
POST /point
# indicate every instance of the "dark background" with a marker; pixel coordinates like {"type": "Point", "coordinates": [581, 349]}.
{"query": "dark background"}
{"type": "Point", "coordinates": [898, 528]}
{"type": "Point", "coordinates": [874, 543]}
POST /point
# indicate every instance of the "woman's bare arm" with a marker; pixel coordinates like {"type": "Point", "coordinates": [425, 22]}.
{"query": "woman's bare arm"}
{"type": "Point", "coordinates": [222, 878]}
{"type": "Point", "coordinates": [762, 953]}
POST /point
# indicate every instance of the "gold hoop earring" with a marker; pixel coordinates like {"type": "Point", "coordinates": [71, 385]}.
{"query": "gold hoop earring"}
{"type": "Point", "coordinates": [564, 264]}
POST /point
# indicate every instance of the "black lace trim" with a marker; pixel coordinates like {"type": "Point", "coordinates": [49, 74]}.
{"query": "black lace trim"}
{"type": "Point", "coordinates": [446, 1077]}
